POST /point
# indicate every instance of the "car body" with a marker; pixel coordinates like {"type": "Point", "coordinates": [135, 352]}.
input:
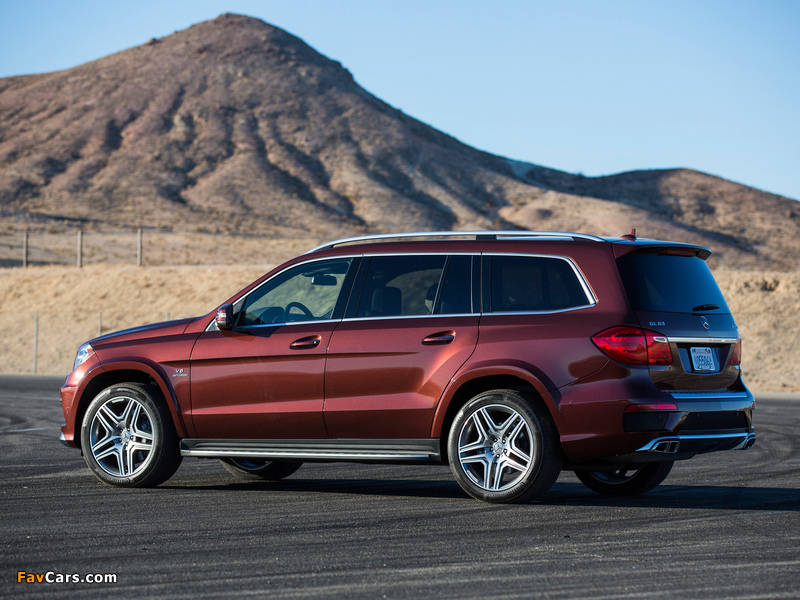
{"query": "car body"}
{"type": "Point", "coordinates": [508, 355]}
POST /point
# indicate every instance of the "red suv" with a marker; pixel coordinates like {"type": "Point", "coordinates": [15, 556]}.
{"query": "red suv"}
{"type": "Point", "coordinates": [508, 355]}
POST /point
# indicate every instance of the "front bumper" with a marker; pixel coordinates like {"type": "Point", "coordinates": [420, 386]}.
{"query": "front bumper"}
{"type": "Point", "coordinates": [68, 428]}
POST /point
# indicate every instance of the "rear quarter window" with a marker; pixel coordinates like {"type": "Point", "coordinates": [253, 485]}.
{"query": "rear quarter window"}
{"type": "Point", "coordinates": [535, 284]}
{"type": "Point", "coordinates": [669, 283]}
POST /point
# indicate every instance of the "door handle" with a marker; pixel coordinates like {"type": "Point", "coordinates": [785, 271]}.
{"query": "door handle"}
{"type": "Point", "coordinates": [442, 337]}
{"type": "Point", "coordinates": [306, 343]}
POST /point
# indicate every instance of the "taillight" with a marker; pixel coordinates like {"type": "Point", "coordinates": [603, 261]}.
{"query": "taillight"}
{"type": "Point", "coordinates": [634, 346]}
{"type": "Point", "coordinates": [658, 352]}
{"type": "Point", "coordinates": [736, 357]}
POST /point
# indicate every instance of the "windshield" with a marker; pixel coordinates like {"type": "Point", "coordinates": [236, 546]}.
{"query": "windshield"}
{"type": "Point", "coordinates": [670, 283]}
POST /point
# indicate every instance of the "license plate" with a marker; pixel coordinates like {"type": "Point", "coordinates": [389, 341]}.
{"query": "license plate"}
{"type": "Point", "coordinates": [702, 359]}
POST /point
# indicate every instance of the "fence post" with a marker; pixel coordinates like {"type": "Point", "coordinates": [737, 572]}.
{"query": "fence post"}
{"type": "Point", "coordinates": [35, 340]}
{"type": "Point", "coordinates": [139, 248]}
{"type": "Point", "coordinates": [80, 248]}
{"type": "Point", "coordinates": [25, 249]}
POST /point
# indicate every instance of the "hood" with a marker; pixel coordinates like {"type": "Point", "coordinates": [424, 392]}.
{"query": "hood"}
{"type": "Point", "coordinates": [145, 331]}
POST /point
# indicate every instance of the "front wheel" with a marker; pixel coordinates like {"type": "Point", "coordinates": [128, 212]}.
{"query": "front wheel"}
{"type": "Point", "coordinates": [254, 469]}
{"type": "Point", "coordinates": [128, 438]}
{"type": "Point", "coordinates": [628, 480]}
{"type": "Point", "coordinates": [503, 448]}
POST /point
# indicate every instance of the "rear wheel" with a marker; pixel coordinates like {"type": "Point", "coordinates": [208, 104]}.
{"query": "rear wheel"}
{"type": "Point", "coordinates": [628, 480]}
{"type": "Point", "coordinates": [128, 438]}
{"type": "Point", "coordinates": [253, 469]}
{"type": "Point", "coordinates": [503, 448]}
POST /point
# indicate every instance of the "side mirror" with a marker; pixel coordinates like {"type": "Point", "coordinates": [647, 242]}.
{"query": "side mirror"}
{"type": "Point", "coordinates": [224, 318]}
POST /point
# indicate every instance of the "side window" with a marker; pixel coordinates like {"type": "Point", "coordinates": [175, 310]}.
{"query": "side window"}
{"type": "Point", "coordinates": [400, 286]}
{"type": "Point", "coordinates": [533, 283]}
{"type": "Point", "coordinates": [456, 295]}
{"type": "Point", "coordinates": [305, 293]}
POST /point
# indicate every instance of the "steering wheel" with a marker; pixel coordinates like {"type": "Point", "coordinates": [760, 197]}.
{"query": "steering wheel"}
{"type": "Point", "coordinates": [302, 307]}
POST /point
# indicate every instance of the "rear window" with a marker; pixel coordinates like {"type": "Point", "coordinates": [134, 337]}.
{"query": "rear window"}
{"type": "Point", "coordinates": [398, 286]}
{"type": "Point", "coordinates": [670, 283]}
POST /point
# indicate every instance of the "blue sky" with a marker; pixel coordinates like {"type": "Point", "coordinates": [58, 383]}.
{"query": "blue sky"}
{"type": "Point", "coordinates": [589, 86]}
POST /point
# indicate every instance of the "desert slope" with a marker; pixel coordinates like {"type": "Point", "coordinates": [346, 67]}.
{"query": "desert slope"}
{"type": "Point", "coordinates": [236, 126]}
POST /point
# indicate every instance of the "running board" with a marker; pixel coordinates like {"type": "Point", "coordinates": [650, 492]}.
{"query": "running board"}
{"type": "Point", "coordinates": [393, 451]}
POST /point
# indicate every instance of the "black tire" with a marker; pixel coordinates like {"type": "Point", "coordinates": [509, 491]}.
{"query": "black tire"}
{"type": "Point", "coordinates": [628, 480]}
{"type": "Point", "coordinates": [254, 469]}
{"type": "Point", "coordinates": [503, 448]}
{"type": "Point", "coordinates": [128, 438]}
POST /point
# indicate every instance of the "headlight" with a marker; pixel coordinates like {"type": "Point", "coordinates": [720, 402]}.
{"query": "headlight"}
{"type": "Point", "coordinates": [84, 352]}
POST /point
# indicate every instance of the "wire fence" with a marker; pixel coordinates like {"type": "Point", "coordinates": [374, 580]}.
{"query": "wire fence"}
{"type": "Point", "coordinates": [47, 337]}
{"type": "Point", "coordinates": [144, 248]}
{"type": "Point", "coordinates": [43, 360]}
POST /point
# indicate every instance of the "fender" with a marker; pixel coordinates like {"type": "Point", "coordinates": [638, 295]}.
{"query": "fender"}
{"type": "Point", "coordinates": [154, 370]}
{"type": "Point", "coordinates": [493, 368]}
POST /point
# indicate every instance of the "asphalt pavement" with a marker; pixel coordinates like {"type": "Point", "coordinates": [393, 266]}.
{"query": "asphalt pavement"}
{"type": "Point", "coordinates": [725, 525]}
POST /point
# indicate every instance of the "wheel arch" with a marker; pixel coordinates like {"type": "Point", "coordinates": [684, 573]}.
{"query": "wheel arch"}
{"type": "Point", "coordinates": [118, 373]}
{"type": "Point", "coordinates": [476, 381]}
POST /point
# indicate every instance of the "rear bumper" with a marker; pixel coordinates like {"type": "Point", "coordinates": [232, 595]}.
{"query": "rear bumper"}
{"type": "Point", "coordinates": [728, 398]}
{"type": "Point", "coordinates": [665, 426]}
{"type": "Point", "coordinates": [677, 447]}
{"type": "Point", "coordinates": [673, 447]}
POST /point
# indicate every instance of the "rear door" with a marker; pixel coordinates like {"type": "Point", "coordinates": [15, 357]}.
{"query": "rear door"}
{"type": "Point", "coordinates": [673, 292]}
{"type": "Point", "coordinates": [410, 326]}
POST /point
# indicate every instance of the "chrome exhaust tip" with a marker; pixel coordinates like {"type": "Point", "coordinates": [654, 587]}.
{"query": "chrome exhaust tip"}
{"type": "Point", "coordinates": [664, 446]}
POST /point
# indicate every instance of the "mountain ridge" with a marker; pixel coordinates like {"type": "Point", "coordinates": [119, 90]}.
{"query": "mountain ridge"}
{"type": "Point", "coordinates": [236, 126]}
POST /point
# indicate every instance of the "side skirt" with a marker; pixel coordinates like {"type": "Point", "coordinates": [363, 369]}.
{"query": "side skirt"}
{"type": "Point", "coordinates": [387, 451]}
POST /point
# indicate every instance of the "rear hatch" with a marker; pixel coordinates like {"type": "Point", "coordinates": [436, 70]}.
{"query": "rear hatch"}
{"type": "Point", "coordinates": [674, 295]}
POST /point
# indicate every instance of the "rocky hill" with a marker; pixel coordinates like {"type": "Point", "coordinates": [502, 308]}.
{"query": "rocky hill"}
{"type": "Point", "coordinates": [236, 126]}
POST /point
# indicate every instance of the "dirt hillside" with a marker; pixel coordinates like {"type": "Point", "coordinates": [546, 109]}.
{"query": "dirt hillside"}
{"type": "Point", "coordinates": [72, 302]}
{"type": "Point", "coordinates": [236, 126]}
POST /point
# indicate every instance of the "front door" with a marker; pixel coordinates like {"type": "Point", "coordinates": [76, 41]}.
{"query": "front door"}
{"type": "Point", "coordinates": [264, 379]}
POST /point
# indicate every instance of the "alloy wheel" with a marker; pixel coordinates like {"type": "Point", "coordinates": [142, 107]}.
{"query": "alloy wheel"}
{"type": "Point", "coordinates": [496, 448]}
{"type": "Point", "coordinates": [121, 436]}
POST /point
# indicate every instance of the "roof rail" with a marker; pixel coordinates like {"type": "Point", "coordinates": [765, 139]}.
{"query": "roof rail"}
{"type": "Point", "coordinates": [478, 235]}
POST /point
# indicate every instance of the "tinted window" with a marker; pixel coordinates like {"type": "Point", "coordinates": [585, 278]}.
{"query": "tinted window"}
{"type": "Point", "coordinates": [669, 283]}
{"type": "Point", "coordinates": [456, 295]}
{"type": "Point", "coordinates": [400, 286]}
{"type": "Point", "coordinates": [532, 283]}
{"type": "Point", "coordinates": [305, 293]}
